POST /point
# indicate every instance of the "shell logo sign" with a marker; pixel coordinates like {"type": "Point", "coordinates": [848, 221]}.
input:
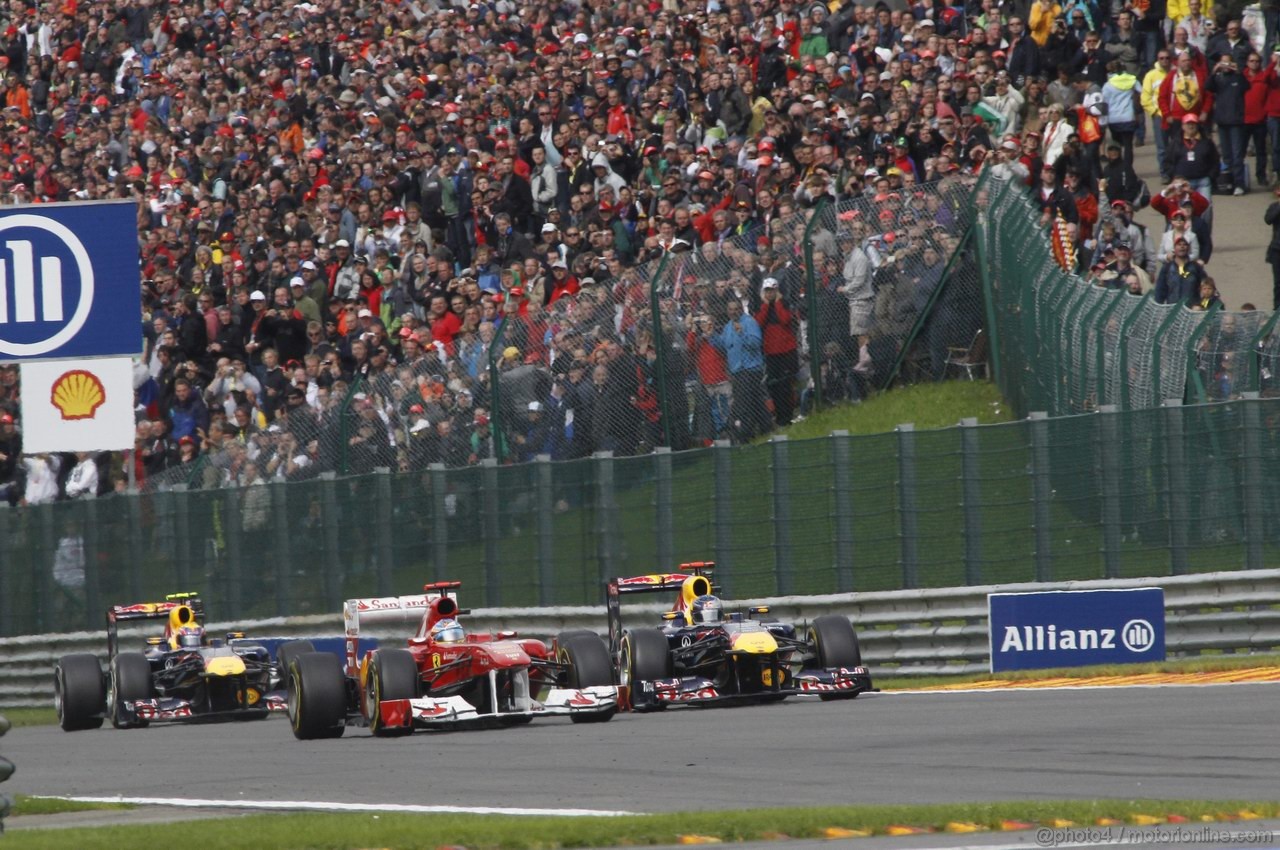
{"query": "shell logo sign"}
{"type": "Point", "coordinates": [77, 394]}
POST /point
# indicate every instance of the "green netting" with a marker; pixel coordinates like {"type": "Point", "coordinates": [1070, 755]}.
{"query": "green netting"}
{"type": "Point", "coordinates": [1149, 492]}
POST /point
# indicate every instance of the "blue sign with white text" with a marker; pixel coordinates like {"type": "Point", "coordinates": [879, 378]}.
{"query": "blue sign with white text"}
{"type": "Point", "coordinates": [1075, 628]}
{"type": "Point", "coordinates": [69, 283]}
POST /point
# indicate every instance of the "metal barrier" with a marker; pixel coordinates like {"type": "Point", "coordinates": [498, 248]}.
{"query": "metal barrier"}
{"type": "Point", "coordinates": [907, 632]}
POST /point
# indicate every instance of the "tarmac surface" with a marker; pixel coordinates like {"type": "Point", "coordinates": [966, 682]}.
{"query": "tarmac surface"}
{"type": "Point", "coordinates": [1177, 742]}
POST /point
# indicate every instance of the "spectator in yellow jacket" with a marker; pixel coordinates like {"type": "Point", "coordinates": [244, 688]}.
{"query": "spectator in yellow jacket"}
{"type": "Point", "coordinates": [1151, 103]}
{"type": "Point", "coordinates": [1043, 14]}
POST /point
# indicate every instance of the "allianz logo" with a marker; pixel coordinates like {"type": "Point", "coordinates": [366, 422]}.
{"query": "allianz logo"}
{"type": "Point", "coordinates": [1135, 636]}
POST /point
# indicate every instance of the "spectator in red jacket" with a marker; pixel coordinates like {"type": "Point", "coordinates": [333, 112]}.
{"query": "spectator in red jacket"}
{"type": "Point", "coordinates": [781, 359]}
{"type": "Point", "coordinates": [712, 410]}
{"type": "Point", "coordinates": [1261, 82]}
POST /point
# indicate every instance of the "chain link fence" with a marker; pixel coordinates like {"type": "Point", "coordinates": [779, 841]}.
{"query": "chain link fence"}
{"type": "Point", "coordinates": [1065, 345]}
{"type": "Point", "coordinates": [1113, 494]}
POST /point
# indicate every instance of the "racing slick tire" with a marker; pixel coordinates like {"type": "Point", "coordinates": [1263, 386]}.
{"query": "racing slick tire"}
{"type": "Point", "coordinates": [643, 657]}
{"type": "Point", "coordinates": [289, 651]}
{"type": "Point", "coordinates": [129, 680]}
{"type": "Point", "coordinates": [393, 674]}
{"type": "Point", "coordinates": [589, 666]}
{"type": "Point", "coordinates": [835, 644]}
{"type": "Point", "coordinates": [79, 694]}
{"type": "Point", "coordinates": [317, 696]}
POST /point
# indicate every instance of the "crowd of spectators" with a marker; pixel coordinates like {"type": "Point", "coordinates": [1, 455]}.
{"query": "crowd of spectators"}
{"type": "Point", "coordinates": [341, 205]}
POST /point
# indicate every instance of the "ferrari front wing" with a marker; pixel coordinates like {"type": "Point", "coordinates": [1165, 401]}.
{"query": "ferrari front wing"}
{"type": "Point", "coordinates": [426, 712]}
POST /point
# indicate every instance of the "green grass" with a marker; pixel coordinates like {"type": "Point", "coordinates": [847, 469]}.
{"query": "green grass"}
{"type": "Point", "coordinates": [403, 832]}
{"type": "Point", "coordinates": [1197, 664]}
{"type": "Point", "coordinates": [19, 717]}
{"type": "Point", "coordinates": [939, 405]}
{"type": "Point", "coordinates": [24, 805]}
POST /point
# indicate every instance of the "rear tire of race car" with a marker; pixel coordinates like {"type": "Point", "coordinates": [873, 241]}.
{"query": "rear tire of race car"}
{"type": "Point", "coordinates": [645, 656]}
{"type": "Point", "coordinates": [317, 696]}
{"type": "Point", "coordinates": [835, 644]}
{"type": "Point", "coordinates": [589, 667]}
{"type": "Point", "coordinates": [130, 680]}
{"type": "Point", "coordinates": [289, 651]}
{"type": "Point", "coordinates": [79, 695]}
{"type": "Point", "coordinates": [393, 674]}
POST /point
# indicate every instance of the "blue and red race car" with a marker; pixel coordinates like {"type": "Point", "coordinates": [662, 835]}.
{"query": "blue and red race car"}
{"type": "Point", "coordinates": [701, 654]}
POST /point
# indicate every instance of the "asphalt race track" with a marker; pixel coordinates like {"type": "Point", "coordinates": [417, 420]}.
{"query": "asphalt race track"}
{"type": "Point", "coordinates": [1187, 742]}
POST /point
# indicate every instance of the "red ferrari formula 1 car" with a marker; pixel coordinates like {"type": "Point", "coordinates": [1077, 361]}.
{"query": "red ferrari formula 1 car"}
{"type": "Point", "coordinates": [702, 654]}
{"type": "Point", "coordinates": [446, 676]}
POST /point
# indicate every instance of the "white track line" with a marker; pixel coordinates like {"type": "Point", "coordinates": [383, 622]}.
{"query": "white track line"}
{"type": "Point", "coordinates": [302, 805]}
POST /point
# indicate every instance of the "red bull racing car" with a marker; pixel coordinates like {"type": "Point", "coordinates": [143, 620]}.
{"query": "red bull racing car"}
{"type": "Point", "coordinates": [180, 675]}
{"type": "Point", "coordinates": [700, 654]}
{"type": "Point", "coordinates": [446, 676]}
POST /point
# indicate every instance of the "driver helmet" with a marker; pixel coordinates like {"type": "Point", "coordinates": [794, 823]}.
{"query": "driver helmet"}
{"type": "Point", "coordinates": [706, 609]}
{"type": "Point", "coordinates": [190, 637]}
{"type": "Point", "coordinates": [447, 631]}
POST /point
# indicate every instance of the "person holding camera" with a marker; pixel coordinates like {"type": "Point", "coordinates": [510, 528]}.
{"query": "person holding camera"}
{"type": "Point", "coordinates": [1229, 86]}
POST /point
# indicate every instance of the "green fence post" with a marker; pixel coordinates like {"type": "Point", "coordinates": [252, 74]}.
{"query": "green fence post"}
{"type": "Point", "coordinates": [666, 525]}
{"type": "Point", "coordinates": [1254, 500]}
{"type": "Point", "coordinates": [282, 563]}
{"type": "Point", "coordinates": [602, 464]}
{"type": "Point", "coordinates": [8, 625]}
{"type": "Point", "coordinates": [1179, 499]}
{"type": "Point", "coordinates": [546, 529]}
{"type": "Point", "coordinates": [92, 586]}
{"type": "Point", "coordinates": [439, 521]}
{"type": "Point", "coordinates": [385, 583]}
{"type": "Point", "coordinates": [971, 499]}
{"type": "Point", "coordinates": [496, 423]}
{"type": "Point", "coordinates": [133, 503]}
{"type": "Point", "coordinates": [489, 497]}
{"type": "Point", "coordinates": [841, 461]}
{"type": "Point", "coordinates": [344, 423]}
{"type": "Point", "coordinates": [918, 326]}
{"type": "Point", "coordinates": [659, 344]}
{"type": "Point", "coordinates": [182, 535]}
{"type": "Point", "coordinates": [44, 580]}
{"type": "Point", "coordinates": [1108, 433]}
{"type": "Point", "coordinates": [332, 552]}
{"type": "Point", "coordinates": [1041, 494]}
{"type": "Point", "coordinates": [1195, 388]}
{"type": "Point", "coordinates": [722, 455]}
{"type": "Point", "coordinates": [1255, 349]}
{"type": "Point", "coordinates": [233, 530]}
{"type": "Point", "coordinates": [1067, 327]}
{"type": "Point", "coordinates": [908, 531]}
{"type": "Point", "coordinates": [783, 567]}
{"type": "Point", "coordinates": [989, 300]}
{"type": "Point", "coordinates": [811, 302]}
{"type": "Point", "coordinates": [1123, 354]}
{"type": "Point", "coordinates": [1083, 362]}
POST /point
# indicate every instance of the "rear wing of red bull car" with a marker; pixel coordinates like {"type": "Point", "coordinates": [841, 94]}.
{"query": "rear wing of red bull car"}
{"type": "Point", "coordinates": [117, 614]}
{"type": "Point", "coordinates": [694, 578]}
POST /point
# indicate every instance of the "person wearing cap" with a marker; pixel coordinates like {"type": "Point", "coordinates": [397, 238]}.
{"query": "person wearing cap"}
{"type": "Point", "coordinates": [1118, 270]}
{"type": "Point", "coordinates": [1179, 279]}
{"type": "Point", "coordinates": [781, 353]}
{"type": "Point", "coordinates": [1119, 181]}
{"type": "Point", "coordinates": [1192, 157]}
{"type": "Point", "coordinates": [302, 300]}
{"type": "Point", "coordinates": [1133, 232]}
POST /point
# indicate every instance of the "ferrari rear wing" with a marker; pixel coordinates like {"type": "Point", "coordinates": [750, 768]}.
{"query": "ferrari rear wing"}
{"type": "Point", "coordinates": [389, 610]}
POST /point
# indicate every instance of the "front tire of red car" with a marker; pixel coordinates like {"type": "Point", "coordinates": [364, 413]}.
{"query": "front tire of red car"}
{"type": "Point", "coordinates": [393, 674]}
{"type": "Point", "coordinates": [317, 696]}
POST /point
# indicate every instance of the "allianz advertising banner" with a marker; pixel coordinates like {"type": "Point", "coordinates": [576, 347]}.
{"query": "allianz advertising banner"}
{"type": "Point", "coordinates": [1075, 628]}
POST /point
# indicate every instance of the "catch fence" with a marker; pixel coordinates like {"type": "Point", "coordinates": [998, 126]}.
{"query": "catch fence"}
{"type": "Point", "coordinates": [1160, 491]}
